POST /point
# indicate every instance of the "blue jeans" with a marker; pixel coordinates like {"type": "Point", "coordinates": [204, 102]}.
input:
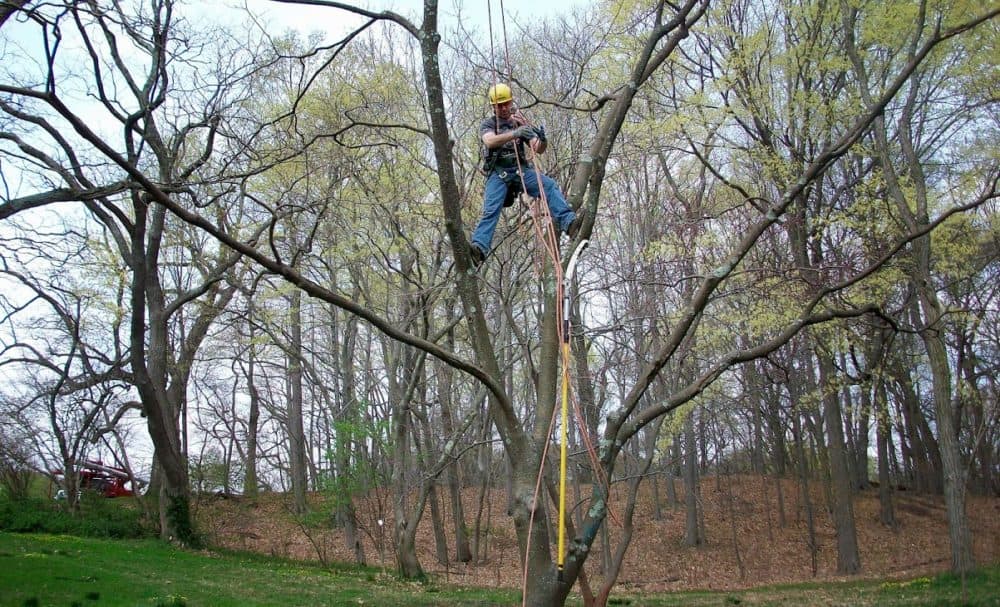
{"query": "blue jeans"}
{"type": "Point", "coordinates": [496, 191]}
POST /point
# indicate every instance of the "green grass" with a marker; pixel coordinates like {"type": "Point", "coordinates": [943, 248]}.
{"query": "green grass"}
{"type": "Point", "coordinates": [980, 589]}
{"type": "Point", "coordinates": [64, 570]}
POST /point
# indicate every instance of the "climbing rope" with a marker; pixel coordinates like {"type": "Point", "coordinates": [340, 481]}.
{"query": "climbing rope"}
{"type": "Point", "coordinates": [547, 234]}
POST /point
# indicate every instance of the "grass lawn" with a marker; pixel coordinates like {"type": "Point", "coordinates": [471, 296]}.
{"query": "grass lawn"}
{"type": "Point", "coordinates": [981, 589]}
{"type": "Point", "coordinates": [63, 570]}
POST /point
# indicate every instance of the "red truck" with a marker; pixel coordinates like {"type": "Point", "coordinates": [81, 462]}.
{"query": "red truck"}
{"type": "Point", "coordinates": [105, 480]}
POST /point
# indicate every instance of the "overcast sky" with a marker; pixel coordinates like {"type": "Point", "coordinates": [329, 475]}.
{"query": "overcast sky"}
{"type": "Point", "coordinates": [474, 13]}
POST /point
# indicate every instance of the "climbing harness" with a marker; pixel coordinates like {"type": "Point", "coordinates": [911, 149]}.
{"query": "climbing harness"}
{"type": "Point", "coordinates": [515, 187]}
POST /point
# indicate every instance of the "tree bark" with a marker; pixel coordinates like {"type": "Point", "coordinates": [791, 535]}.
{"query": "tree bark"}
{"type": "Point", "coordinates": [692, 529]}
{"type": "Point", "coordinates": [803, 474]}
{"type": "Point", "coordinates": [848, 556]}
{"type": "Point", "coordinates": [348, 435]}
{"type": "Point", "coordinates": [250, 484]}
{"type": "Point", "coordinates": [452, 474]}
{"type": "Point", "coordinates": [887, 513]}
{"type": "Point", "coordinates": [294, 422]}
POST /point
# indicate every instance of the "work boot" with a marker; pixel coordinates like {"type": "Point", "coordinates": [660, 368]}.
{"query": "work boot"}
{"type": "Point", "coordinates": [574, 226]}
{"type": "Point", "coordinates": [478, 257]}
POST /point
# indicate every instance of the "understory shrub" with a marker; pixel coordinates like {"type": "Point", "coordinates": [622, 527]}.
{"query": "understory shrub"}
{"type": "Point", "coordinates": [98, 517]}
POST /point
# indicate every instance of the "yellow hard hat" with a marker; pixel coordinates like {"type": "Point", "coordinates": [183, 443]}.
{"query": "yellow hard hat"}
{"type": "Point", "coordinates": [500, 93]}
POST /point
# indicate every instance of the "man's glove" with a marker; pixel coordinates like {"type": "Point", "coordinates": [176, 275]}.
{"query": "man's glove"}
{"type": "Point", "coordinates": [524, 132]}
{"type": "Point", "coordinates": [540, 133]}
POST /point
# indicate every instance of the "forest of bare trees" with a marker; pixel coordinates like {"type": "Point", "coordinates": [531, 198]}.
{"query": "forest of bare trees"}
{"type": "Point", "coordinates": [236, 259]}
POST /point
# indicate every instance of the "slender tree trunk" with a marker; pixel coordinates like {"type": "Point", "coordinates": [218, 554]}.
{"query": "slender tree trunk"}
{"type": "Point", "coordinates": [485, 475]}
{"type": "Point", "coordinates": [437, 524]}
{"type": "Point", "coordinates": [347, 435]}
{"type": "Point", "coordinates": [861, 443]}
{"type": "Point", "coordinates": [981, 464]}
{"type": "Point", "coordinates": [250, 484]}
{"type": "Point", "coordinates": [430, 483]}
{"type": "Point", "coordinates": [780, 493]}
{"type": "Point", "coordinates": [754, 380]}
{"type": "Point", "coordinates": [672, 473]}
{"type": "Point", "coordinates": [924, 454]}
{"type": "Point", "coordinates": [692, 529]}
{"type": "Point", "coordinates": [806, 496]}
{"type": "Point", "coordinates": [731, 511]}
{"type": "Point", "coordinates": [856, 427]}
{"type": "Point", "coordinates": [463, 553]}
{"type": "Point", "coordinates": [887, 513]}
{"type": "Point", "coordinates": [657, 501]}
{"type": "Point", "coordinates": [613, 570]}
{"type": "Point", "coordinates": [294, 423]}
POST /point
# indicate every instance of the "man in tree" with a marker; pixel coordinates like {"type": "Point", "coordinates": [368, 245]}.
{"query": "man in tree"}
{"type": "Point", "coordinates": [506, 166]}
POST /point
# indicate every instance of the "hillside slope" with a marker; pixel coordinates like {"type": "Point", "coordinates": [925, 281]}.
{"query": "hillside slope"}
{"type": "Point", "coordinates": [763, 552]}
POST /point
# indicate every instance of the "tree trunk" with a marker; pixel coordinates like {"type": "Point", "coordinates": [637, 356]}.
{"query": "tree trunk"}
{"type": "Point", "coordinates": [612, 572]}
{"type": "Point", "coordinates": [856, 427]}
{"type": "Point", "coordinates": [428, 453]}
{"type": "Point", "coordinates": [657, 500]}
{"type": "Point", "coordinates": [848, 557]}
{"type": "Point", "coordinates": [404, 533]}
{"type": "Point", "coordinates": [463, 553]}
{"type": "Point", "coordinates": [923, 452]}
{"type": "Point", "coordinates": [962, 560]}
{"type": "Point", "coordinates": [803, 474]}
{"type": "Point", "coordinates": [981, 464]}
{"type": "Point", "coordinates": [673, 471]}
{"type": "Point", "coordinates": [887, 513]}
{"type": "Point", "coordinates": [294, 424]}
{"type": "Point", "coordinates": [149, 365]}
{"type": "Point", "coordinates": [250, 485]}
{"type": "Point", "coordinates": [437, 524]}
{"type": "Point", "coordinates": [755, 382]}
{"type": "Point", "coordinates": [692, 529]}
{"type": "Point", "coordinates": [348, 434]}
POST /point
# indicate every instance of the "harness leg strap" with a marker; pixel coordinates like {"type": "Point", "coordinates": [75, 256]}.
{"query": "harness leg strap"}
{"type": "Point", "coordinates": [513, 189]}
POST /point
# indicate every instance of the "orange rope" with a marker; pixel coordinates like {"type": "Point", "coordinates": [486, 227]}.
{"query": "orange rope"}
{"type": "Point", "coordinates": [547, 234]}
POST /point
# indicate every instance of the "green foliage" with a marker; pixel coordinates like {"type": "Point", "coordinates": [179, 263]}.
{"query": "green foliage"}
{"type": "Point", "coordinates": [15, 482]}
{"type": "Point", "coordinates": [98, 517]}
{"type": "Point", "coordinates": [957, 243]}
{"type": "Point", "coordinates": [211, 472]}
{"type": "Point", "coordinates": [340, 488]}
{"type": "Point", "coordinates": [16, 476]}
{"type": "Point", "coordinates": [179, 518]}
{"type": "Point", "coordinates": [314, 519]}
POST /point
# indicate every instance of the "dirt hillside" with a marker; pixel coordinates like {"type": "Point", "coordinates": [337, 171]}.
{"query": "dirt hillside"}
{"type": "Point", "coordinates": [746, 545]}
